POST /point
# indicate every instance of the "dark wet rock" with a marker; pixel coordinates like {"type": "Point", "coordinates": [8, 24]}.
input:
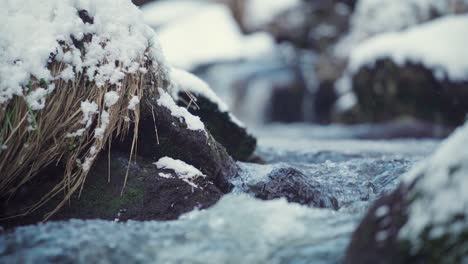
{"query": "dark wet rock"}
{"type": "Point", "coordinates": [324, 100]}
{"type": "Point", "coordinates": [293, 185]}
{"type": "Point", "coordinates": [146, 196]}
{"type": "Point", "coordinates": [365, 247]}
{"type": "Point", "coordinates": [173, 139]}
{"type": "Point", "coordinates": [287, 102]}
{"type": "Point", "coordinates": [239, 143]}
{"type": "Point", "coordinates": [387, 91]}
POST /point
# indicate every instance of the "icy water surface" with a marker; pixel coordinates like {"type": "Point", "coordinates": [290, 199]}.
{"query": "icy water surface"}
{"type": "Point", "coordinates": [242, 229]}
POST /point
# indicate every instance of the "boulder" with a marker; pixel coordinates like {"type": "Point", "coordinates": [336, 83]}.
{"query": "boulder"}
{"type": "Point", "coordinates": [293, 185]}
{"type": "Point", "coordinates": [231, 134]}
{"type": "Point", "coordinates": [160, 134]}
{"type": "Point", "coordinates": [425, 219]}
{"type": "Point", "coordinates": [147, 194]}
{"type": "Point", "coordinates": [386, 91]}
{"type": "Point", "coordinates": [197, 96]}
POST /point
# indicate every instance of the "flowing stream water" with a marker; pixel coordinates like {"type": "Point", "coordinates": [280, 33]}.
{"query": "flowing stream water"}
{"type": "Point", "coordinates": [241, 228]}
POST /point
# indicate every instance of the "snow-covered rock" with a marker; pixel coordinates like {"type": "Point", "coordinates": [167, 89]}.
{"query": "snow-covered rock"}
{"type": "Point", "coordinates": [438, 45]}
{"type": "Point", "coordinates": [426, 217]}
{"type": "Point", "coordinates": [439, 201]}
{"type": "Point", "coordinates": [192, 92]}
{"type": "Point", "coordinates": [421, 71]}
{"type": "Point", "coordinates": [54, 27]}
{"type": "Point", "coordinates": [392, 16]}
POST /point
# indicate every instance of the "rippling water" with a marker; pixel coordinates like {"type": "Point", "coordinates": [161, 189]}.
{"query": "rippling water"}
{"type": "Point", "coordinates": [240, 228]}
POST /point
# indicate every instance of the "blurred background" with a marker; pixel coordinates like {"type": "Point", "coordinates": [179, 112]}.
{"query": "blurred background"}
{"type": "Point", "coordinates": [398, 62]}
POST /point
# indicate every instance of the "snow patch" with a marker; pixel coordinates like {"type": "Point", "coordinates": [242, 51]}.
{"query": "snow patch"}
{"type": "Point", "coordinates": [192, 122]}
{"type": "Point", "coordinates": [133, 103]}
{"type": "Point", "coordinates": [111, 98]}
{"type": "Point", "coordinates": [99, 132]}
{"type": "Point", "coordinates": [88, 109]}
{"type": "Point", "coordinates": [184, 171]}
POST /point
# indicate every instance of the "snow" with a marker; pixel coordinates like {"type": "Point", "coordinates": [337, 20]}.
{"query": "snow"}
{"type": "Point", "coordinates": [68, 74]}
{"type": "Point", "coordinates": [192, 122]}
{"type": "Point", "coordinates": [88, 109]}
{"type": "Point", "coordinates": [345, 102]}
{"type": "Point", "coordinates": [382, 211]}
{"type": "Point", "coordinates": [382, 13]}
{"type": "Point", "coordinates": [184, 171]}
{"type": "Point", "coordinates": [111, 98]}
{"type": "Point", "coordinates": [259, 13]}
{"type": "Point", "coordinates": [439, 44]}
{"type": "Point", "coordinates": [36, 99]}
{"type": "Point", "coordinates": [185, 81]}
{"type": "Point", "coordinates": [31, 30]}
{"type": "Point", "coordinates": [441, 191]}
{"type": "Point", "coordinates": [99, 132]}
{"type": "Point", "coordinates": [133, 103]}
{"type": "Point", "coordinates": [209, 34]}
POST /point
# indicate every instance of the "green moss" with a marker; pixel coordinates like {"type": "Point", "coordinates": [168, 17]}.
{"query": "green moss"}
{"type": "Point", "coordinates": [101, 199]}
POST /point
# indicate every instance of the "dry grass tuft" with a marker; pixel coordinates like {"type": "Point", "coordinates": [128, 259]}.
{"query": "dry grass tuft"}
{"type": "Point", "coordinates": [36, 139]}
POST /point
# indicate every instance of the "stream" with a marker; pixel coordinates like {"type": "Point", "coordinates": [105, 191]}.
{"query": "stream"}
{"type": "Point", "coordinates": [241, 228]}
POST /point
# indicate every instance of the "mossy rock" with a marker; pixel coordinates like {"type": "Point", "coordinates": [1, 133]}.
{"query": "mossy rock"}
{"type": "Point", "coordinates": [146, 196]}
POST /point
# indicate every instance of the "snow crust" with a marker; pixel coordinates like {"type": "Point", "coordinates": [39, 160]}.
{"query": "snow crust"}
{"type": "Point", "coordinates": [209, 34]}
{"type": "Point", "coordinates": [192, 122]}
{"type": "Point", "coordinates": [441, 190]}
{"type": "Point", "coordinates": [30, 32]}
{"type": "Point", "coordinates": [259, 13]}
{"type": "Point", "coordinates": [184, 171]}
